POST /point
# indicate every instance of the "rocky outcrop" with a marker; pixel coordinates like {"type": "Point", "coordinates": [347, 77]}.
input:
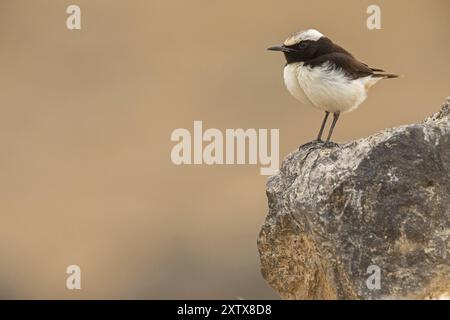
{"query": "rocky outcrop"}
{"type": "Point", "coordinates": [368, 219]}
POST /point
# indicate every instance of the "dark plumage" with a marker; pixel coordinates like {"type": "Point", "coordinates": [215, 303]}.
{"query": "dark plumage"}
{"type": "Point", "coordinates": [315, 53]}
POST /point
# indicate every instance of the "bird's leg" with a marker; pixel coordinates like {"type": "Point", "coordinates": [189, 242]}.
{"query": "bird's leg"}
{"type": "Point", "coordinates": [335, 119]}
{"type": "Point", "coordinates": [319, 137]}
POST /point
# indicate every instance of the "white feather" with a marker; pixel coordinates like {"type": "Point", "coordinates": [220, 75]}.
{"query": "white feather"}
{"type": "Point", "coordinates": [326, 87]}
{"type": "Point", "coordinates": [292, 83]}
{"type": "Point", "coordinates": [310, 34]}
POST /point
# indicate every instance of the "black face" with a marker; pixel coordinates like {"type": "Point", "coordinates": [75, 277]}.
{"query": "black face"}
{"type": "Point", "coordinates": [303, 51]}
{"type": "Point", "coordinates": [307, 50]}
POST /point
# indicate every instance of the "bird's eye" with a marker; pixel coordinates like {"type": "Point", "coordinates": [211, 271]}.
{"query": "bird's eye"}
{"type": "Point", "coordinates": [302, 45]}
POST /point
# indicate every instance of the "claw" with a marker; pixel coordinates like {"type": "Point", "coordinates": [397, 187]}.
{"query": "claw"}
{"type": "Point", "coordinates": [330, 144]}
{"type": "Point", "coordinates": [311, 143]}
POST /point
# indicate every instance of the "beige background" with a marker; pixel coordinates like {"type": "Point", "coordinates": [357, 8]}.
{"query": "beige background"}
{"type": "Point", "coordinates": [86, 118]}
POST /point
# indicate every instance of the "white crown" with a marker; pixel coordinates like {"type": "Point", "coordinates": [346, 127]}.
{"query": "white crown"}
{"type": "Point", "coordinates": [310, 34]}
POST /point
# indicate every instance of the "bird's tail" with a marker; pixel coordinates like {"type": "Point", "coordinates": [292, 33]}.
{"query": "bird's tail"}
{"type": "Point", "coordinates": [385, 75]}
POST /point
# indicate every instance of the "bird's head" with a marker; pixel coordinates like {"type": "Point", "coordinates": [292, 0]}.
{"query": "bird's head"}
{"type": "Point", "coordinates": [303, 46]}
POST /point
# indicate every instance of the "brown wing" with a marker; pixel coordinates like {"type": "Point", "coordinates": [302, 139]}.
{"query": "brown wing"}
{"type": "Point", "coordinates": [374, 69]}
{"type": "Point", "coordinates": [353, 68]}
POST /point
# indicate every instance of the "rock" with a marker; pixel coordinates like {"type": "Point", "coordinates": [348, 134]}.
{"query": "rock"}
{"type": "Point", "coordinates": [368, 219]}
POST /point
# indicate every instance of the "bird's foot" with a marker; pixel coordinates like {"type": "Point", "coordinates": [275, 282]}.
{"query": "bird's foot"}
{"type": "Point", "coordinates": [330, 144]}
{"type": "Point", "coordinates": [315, 143]}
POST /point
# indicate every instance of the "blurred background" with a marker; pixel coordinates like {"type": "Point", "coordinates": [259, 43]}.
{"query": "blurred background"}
{"type": "Point", "coordinates": [86, 117]}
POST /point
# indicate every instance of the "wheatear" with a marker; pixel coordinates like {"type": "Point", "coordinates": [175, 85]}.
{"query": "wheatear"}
{"type": "Point", "coordinates": [326, 75]}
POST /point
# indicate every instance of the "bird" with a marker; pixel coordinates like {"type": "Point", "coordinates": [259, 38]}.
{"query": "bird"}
{"type": "Point", "coordinates": [323, 74]}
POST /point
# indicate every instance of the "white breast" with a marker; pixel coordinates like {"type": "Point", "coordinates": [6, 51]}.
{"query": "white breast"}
{"type": "Point", "coordinates": [291, 81]}
{"type": "Point", "coordinates": [327, 88]}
